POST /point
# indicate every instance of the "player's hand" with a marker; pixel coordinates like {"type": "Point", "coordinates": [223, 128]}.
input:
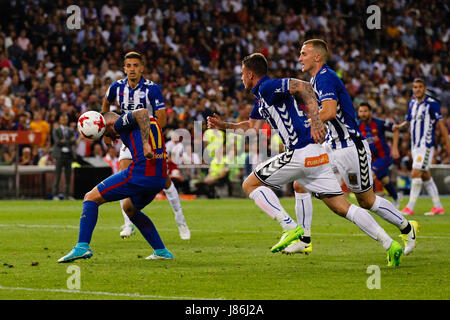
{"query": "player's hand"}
{"type": "Point", "coordinates": [108, 141]}
{"type": "Point", "coordinates": [215, 122]}
{"type": "Point", "coordinates": [395, 127]}
{"type": "Point", "coordinates": [148, 152]}
{"type": "Point", "coordinates": [318, 131]}
{"type": "Point", "coordinates": [395, 154]}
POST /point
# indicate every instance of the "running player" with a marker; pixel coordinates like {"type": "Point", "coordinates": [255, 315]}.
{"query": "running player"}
{"type": "Point", "coordinates": [131, 93]}
{"type": "Point", "coordinates": [347, 147]}
{"type": "Point", "coordinates": [303, 161]}
{"type": "Point", "coordinates": [373, 130]}
{"type": "Point", "coordinates": [424, 115]}
{"type": "Point", "coordinates": [138, 184]}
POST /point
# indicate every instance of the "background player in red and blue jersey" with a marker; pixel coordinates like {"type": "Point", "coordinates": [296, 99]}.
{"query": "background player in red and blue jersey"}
{"type": "Point", "coordinates": [144, 178]}
{"type": "Point", "coordinates": [373, 130]}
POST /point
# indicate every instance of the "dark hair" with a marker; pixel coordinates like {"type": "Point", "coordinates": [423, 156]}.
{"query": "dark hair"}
{"type": "Point", "coordinates": [366, 104]}
{"type": "Point", "coordinates": [419, 80]}
{"type": "Point", "coordinates": [133, 55]}
{"type": "Point", "coordinates": [257, 63]}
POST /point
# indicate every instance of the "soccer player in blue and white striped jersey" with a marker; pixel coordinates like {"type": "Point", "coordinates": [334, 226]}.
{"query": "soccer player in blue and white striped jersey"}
{"type": "Point", "coordinates": [136, 92]}
{"type": "Point", "coordinates": [424, 115]}
{"type": "Point", "coordinates": [349, 150]}
{"type": "Point", "coordinates": [303, 161]}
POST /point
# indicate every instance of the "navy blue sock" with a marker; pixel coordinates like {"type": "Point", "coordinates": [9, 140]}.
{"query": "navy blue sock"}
{"type": "Point", "coordinates": [148, 230]}
{"type": "Point", "coordinates": [88, 221]}
{"type": "Point", "coordinates": [391, 189]}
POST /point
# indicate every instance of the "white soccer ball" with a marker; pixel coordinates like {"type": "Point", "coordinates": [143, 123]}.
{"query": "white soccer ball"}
{"type": "Point", "coordinates": [91, 125]}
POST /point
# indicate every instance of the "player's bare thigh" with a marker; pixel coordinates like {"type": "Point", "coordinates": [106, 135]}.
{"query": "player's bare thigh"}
{"type": "Point", "coordinates": [424, 175]}
{"type": "Point", "coordinates": [298, 188]}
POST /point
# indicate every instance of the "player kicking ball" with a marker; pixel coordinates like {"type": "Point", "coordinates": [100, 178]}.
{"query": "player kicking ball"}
{"type": "Point", "coordinates": [138, 184]}
{"type": "Point", "coordinates": [303, 161]}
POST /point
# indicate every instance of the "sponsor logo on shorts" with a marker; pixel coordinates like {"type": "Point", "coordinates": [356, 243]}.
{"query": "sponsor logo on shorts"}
{"type": "Point", "coordinates": [316, 161]}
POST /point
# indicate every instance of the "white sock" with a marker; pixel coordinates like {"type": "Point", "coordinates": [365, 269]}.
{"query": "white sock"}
{"type": "Point", "coordinates": [367, 223]}
{"type": "Point", "coordinates": [416, 188]}
{"type": "Point", "coordinates": [174, 200]}
{"type": "Point", "coordinates": [127, 220]}
{"type": "Point", "coordinates": [388, 212]}
{"type": "Point", "coordinates": [432, 190]}
{"type": "Point", "coordinates": [268, 201]}
{"type": "Point", "coordinates": [304, 211]}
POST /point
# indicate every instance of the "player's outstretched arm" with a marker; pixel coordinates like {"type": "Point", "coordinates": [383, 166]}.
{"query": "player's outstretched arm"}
{"type": "Point", "coordinates": [143, 120]}
{"type": "Point", "coordinates": [215, 122]}
{"type": "Point", "coordinates": [303, 92]}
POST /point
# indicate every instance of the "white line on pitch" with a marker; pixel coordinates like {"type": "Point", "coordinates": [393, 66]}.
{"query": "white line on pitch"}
{"type": "Point", "coordinates": [101, 293]}
{"type": "Point", "coordinates": [54, 226]}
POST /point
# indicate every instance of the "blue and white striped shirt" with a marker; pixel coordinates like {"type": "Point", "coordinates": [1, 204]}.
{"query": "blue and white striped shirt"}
{"type": "Point", "coordinates": [146, 94]}
{"type": "Point", "coordinates": [275, 104]}
{"type": "Point", "coordinates": [342, 130]}
{"type": "Point", "coordinates": [423, 117]}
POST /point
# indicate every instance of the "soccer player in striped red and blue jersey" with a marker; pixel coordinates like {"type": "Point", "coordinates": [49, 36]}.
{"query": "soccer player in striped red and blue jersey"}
{"type": "Point", "coordinates": [138, 184]}
{"type": "Point", "coordinates": [136, 92]}
{"type": "Point", "coordinates": [373, 130]}
{"type": "Point", "coordinates": [424, 115]}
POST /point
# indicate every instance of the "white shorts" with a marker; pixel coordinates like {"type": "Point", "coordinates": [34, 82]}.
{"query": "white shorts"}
{"type": "Point", "coordinates": [422, 158]}
{"type": "Point", "coordinates": [354, 166]}
{"type": "Point", "coordinates": [308, 166]}
{"type": "Point", "coordinates": [124, 153]}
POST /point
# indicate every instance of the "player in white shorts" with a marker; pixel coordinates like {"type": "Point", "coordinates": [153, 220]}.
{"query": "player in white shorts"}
{"type": "Point", "coordinates": [348, 150]}
{"type": "Point", "coordinates": [424, 115]}
{"type": "Point", "coordinates": [303, 161]}
{"type": "Point", "coordinates": [136, 92]}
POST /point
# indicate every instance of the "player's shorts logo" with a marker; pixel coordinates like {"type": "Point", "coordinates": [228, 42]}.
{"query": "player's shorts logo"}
{"type": "Point", "coordinates": [352, 178]}
{"type": "Point", "coordinates": [316, 161]}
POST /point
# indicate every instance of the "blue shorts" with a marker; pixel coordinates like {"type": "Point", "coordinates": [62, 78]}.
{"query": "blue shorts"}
{"type": "Point", "coordinates": [381, 166]}
{"type": "Point", "coordinates": [140, 189]}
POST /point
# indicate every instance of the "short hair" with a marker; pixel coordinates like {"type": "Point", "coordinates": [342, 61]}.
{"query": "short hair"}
{"type": "Point", "coordinates": [419, 80]}
{"type": "Point", "coordinates": [133, 55]}
{"type": "Point", "coordinates": [257, 63]}
{"type": "Point", "coordinates": [319, 44]}
{"type": "Point", "coordinates": [366, 104]}
{"type": "Point", "coordinates": [109, 115]}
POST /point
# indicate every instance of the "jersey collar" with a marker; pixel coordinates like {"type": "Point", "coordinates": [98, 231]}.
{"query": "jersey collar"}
{"type": "Point", "coordinates": [138, 85]}
{"type": "Point", "coordinates": [256, 88]}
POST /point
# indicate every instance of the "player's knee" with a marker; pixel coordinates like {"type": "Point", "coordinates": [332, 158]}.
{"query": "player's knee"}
{"type": "Point", "coordinates": [94, 195]}
{"type": "Point", "coordinates": [366, 199]}
{"type": "Point", "coordinates": [298, 188]}
{"type": "Point", "coordinates": [385, 180]}
{"type": "Point", "coordinates": [129, 209]}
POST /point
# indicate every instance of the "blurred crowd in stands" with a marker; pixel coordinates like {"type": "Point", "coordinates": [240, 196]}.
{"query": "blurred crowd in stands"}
{"type": "Point", "coordinates": [193, 50]}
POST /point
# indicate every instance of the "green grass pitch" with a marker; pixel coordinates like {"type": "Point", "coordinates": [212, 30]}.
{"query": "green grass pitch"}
{"type": "Point", "coordinates": [227, 257]}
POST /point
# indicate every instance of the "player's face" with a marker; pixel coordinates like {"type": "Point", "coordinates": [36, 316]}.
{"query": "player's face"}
{"type": "Point", "coordinates": [307, 57]}
{"type": "Point", "coordinates": [133, 68]}
{"type": "Point", "coordinates": [419, 90]}
{"type": "Point", "coordinates": [247, 77]}
{"type": "Point", "coordinates": [364, 113]}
